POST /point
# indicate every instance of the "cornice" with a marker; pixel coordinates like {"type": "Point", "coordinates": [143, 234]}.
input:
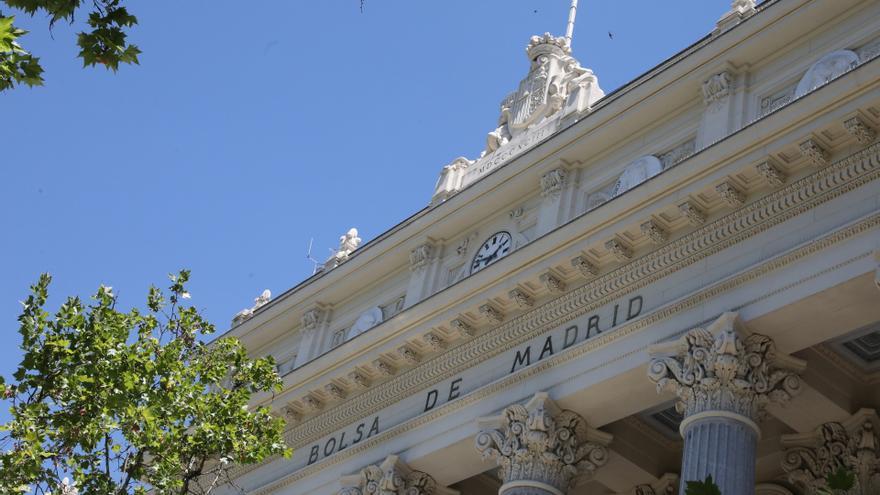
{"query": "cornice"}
{"type": "Point", "coordinates": [674, 73]}
{"type": "Point", "coordinates": [866, 224]}
{"type": "Point", "coordinates": [759, 216]}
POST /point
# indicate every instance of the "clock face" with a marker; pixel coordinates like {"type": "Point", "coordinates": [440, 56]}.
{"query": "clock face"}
{"type": "Point", "coordinates": [495, 248]}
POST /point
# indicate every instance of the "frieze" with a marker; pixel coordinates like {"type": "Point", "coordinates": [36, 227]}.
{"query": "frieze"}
{"type": "Point", "coordinates": [759, 216]}
{"type": "Point", "coordinates": [869, 223]}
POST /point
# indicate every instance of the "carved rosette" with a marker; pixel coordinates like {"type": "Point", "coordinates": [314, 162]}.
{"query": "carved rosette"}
{"type": "Point", "coordinates": [720, 368]}
{"type": "Point", "coordinates": [392, 477]}
{"type": "Point", "coordinates": [852, 445]}
{"type": "Point", "coordinates": [540, 445]}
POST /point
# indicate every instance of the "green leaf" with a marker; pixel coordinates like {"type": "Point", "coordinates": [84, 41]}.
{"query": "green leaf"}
{"type": "Point", "coordinates": [842, 479]}
{"type": "Point", "coordinates": [706, 487]}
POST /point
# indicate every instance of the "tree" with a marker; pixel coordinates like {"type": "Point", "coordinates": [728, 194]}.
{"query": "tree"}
{"type": "Point", "coordinates": [105, 43]}
{"type": "Point", "coordinates": [128, 402]}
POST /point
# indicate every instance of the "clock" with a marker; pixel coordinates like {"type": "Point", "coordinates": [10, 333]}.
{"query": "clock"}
{"type": "Point", "coordinates": [495, 248]}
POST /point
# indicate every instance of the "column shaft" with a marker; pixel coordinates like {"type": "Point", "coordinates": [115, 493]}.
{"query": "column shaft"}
{"type": "Point", "coordinates": [724, 448]}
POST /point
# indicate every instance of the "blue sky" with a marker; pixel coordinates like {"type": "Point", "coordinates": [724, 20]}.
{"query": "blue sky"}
{"type": "Point", "coordinates": [251, 127]}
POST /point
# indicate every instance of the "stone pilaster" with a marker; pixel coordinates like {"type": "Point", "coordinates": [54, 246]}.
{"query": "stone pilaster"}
{"type": "Point", "coordinates": [724, 378]}
{"type": "Point", "coordinates": [557, 197]}
{"type": "Point", "coordinates": [424, 269]}
{"type": "Point", "coordinates": [540, 448]}
{"type": "Point", "coordinates": [315, 323]}
{"type": "Point", "coordinates": [853, 445]}
{"type": "Point", "coordinates": [391, 477]}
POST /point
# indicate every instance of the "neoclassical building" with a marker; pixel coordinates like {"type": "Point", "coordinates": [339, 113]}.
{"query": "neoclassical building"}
{"type": "Point", "coordinates": [622, 293]}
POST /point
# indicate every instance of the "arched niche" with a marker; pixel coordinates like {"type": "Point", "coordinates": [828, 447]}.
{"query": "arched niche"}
{"type": "Point", "coordinates": [637, 172]}
{"type": "Point", "coordinates": [829, 67]}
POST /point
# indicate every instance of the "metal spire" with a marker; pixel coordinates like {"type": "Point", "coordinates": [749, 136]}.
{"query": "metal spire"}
{"type": "Point", "coordinates": [569, 30]}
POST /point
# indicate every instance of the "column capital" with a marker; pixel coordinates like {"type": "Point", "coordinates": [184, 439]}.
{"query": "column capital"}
{"type": "Point", "coordinates": [391, 477]}
{"type": "Point", "coordinates": [540, 446]}
{"type": "Point", "coordinates": [810, 458]}
{"type": "Point", "coordinates": [723, 369]}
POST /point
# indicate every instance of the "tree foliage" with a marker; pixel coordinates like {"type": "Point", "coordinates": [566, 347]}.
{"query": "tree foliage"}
{"type": "Point", "coordinates": [103, 43]}
{"type": "Point", "coordinates": [127, 402]}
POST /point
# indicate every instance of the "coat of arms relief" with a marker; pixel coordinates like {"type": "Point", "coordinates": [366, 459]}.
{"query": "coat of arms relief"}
{"type": "Point", "coordinates": [555, 88]}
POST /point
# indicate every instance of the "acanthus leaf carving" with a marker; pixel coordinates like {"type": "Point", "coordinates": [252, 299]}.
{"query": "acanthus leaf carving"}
{"type": "Point", "coordinates": [655, 232]}
{"type": "Point", "coordinates": [730, 194]}
{"type": "Point", "coordinates": [815, 152]}
{"type": "Point", "coordinates": [857, 128]}
{"type": "Point", "coordinates": [391, 477]}
{"type": "Point", "coordinates": [694, 214]}
{"type": "Point", "coordinates": [771, 173]}
{"type": "Point", "coordinates": [491, 313]}
{"type": "Point", "coordinates": [720, 368]}
{"type": "Point", "coordinates": [587, 268]}
{"type": "Point", "coordinates": [541, 444]}
{"type": "Point", "coordinates": [811, 458]}
{"type": "Point", "coordinates": [522, 298]}
{"type": "Point", "coordinates": [420, 256]}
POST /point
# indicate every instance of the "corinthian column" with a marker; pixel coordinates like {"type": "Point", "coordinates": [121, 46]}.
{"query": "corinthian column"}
{"type": "Point", "coordinates": [540, 448]}
{"type": "Point", "coordinates": [723, 378]}
{"type": "Point", "coordinates": [852, 445]}
{"type": "Point", "coordinates": [392, 477]}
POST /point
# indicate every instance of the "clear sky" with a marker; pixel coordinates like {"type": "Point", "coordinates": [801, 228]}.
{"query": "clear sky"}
{"type": "Point", "coordinates": [251, 127]}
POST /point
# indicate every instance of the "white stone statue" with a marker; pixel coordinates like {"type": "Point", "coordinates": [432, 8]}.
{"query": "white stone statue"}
{"type": "Point", "coordinates": [637, 172]}
{"type": "Point", "coordinates": [367, 320]}
{"type": "Point", "coordinates": [830, 66]}
{"type": "Point", "coordinates": [259, 302]}
{"type": "Point", "coordinates": [347, 244]}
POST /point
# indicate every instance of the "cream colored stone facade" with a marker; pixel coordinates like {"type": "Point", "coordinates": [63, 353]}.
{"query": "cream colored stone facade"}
{"type": "Point", "coordinates": [621, 293]}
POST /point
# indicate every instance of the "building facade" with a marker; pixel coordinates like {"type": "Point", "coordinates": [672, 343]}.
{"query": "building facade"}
{"type": "Point", "coordinates": [622, 293]}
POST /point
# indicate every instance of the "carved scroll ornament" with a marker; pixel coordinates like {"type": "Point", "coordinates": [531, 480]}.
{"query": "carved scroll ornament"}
{"type": "Point", "coordinates": [539, 443]}
{"type": "Point", "coordinates": [719, 368]}
{"type": "Point", "coordinates": [852, 445]}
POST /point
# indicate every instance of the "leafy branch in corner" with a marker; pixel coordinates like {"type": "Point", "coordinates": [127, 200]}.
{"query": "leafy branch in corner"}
{"type": "Point", "coordinates": [131, 402]}
{"type": "Point", "coordinates": [105, 42]}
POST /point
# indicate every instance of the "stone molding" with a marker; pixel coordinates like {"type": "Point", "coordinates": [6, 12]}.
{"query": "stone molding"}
{"type": "Point", "coordinates": [794, 199]}
{"type": "Point", "coordinates": [655, 232]}
{"type": "Point", "coordinates": [587, 268]}
{"type": "Point", "coordinates": [771, 174]}
{"type": "Point", "coordinates": [554, 284]}
{"type": "Point", "coordinates": [815, 152]}
{"type": "Point", "coordinates": [694, 214]}
{"type": "Point", "coordinates": [619, 250]}
{"type": "Point", "coordinates": [730, 194]}
{"type": "Point", "coordinates": [857, 128]}
{"type": "Point", "coordinates": [521, 298]}
{"type": "Point", "coordinates": [851, 444]}
{"type": "Point", "coordinates": [577, 352]}
{"type": "Point", "coordinates": [542, 444]}
{"type": "Point", "coordinates": [722, 368]}
{"type": "Point", "coordinates": [492, 314]}
{"type": "Point", "coordinates": [391, 477]}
